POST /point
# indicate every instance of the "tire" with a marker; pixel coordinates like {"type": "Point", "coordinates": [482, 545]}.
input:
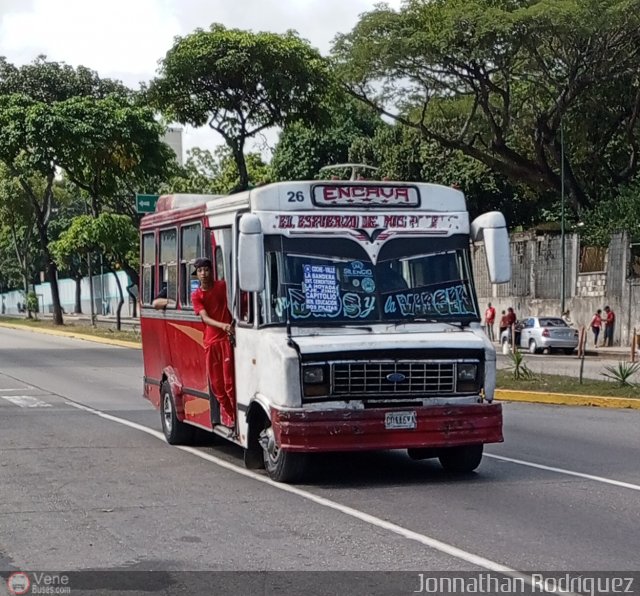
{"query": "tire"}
{"type": "Point", "coordinates": [281, 466]}
{"type": "Point", "coordinates": [569, 351]}
{"type": "Point", "coordinates": [533, 347]}
{"type": "Point", "coordinates": [175, 431]}
{"type": "Point", "coordinates": [461, 460]}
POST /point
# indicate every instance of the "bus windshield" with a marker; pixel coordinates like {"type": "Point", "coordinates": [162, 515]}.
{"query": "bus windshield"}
{"type": "Point", "coordinates": [333, 281]}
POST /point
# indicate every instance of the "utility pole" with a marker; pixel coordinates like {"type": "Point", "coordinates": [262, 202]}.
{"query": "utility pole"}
{"type": "Point", "coordinates": [562, 235]}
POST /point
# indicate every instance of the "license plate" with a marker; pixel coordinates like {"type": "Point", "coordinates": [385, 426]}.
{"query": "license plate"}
{"type": "Point", "coordinates": [400, 420]}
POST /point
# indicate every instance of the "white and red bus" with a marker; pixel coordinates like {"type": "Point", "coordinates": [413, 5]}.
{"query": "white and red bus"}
{"type": "Point", "coordinates": [357, 322]}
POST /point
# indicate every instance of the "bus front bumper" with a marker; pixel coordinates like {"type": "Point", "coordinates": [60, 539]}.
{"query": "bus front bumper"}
{"type": "Point", "coordinates": [362, 430]}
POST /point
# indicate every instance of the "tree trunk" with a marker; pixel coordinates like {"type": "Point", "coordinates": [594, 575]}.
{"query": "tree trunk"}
{"type": "Point", "coordinates": [120, 301]}
{"type": "Point", "coordinates": [52, 272]}
{"type": "Point", "coordinates": [78, 299]}
{"type": "Point", "coordinates": [26, 293]}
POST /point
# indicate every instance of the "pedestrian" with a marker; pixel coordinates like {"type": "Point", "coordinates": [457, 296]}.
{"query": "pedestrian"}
{"type": "Point", "coordinates": [610, 324]}
{"type": "Point", "coordinates": [511, 317]}
{"type": "Point", "coordinates": [596, 325]}
{"type": "Point", "coordinates": [210, 302]}
{"type": "Point", "coordinates": [503, 322]}
{"type": "Point", "coordinates": [489, 320]}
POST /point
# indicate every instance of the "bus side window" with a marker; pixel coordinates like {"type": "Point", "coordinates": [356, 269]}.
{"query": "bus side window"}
{"type": "Point", "coordinates": [148, 268]}
{"type": "Point", "coordinates": [169, 263]}
{"type": "Point", "coordinates": [190, 250]}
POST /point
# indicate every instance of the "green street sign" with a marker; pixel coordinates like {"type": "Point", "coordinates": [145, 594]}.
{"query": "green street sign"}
{"type": "Point", "coordinates": [146, 203]}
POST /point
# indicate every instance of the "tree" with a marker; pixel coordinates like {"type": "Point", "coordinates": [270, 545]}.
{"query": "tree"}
{"type": "Point", "coordinates": [215, 173]}
{"type": "Point", "coordinates": [305, 147]}
{"type": "Point", "coordinates": [241, 83]}
{"type": "Point", "coordinates": [113, 235]}
{"type": "Point", "coordinates": [18, 225]}
{"type": "Point", "coordinates": [26, 160]}
{"type": "Point", "coordinates": [28, 98]}
{"type": "Point", "coordinates": [100, 143]}
{"type": "Point", "coordinates": [496, 80]}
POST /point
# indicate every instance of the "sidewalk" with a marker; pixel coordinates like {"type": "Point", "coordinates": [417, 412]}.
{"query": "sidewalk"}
{"type": "Point", "coordinates": [106, 321]}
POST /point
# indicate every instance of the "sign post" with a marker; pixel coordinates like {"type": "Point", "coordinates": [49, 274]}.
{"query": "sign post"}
{"type": "Point", "coordinates": [146, 203]}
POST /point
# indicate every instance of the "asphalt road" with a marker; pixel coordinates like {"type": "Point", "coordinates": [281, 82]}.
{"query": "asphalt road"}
{"type": "Point", "coordinates": [100, 489]}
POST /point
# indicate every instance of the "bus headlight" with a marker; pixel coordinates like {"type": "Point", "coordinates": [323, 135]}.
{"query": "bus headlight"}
{"type": "Point", "coordinates": [315, 380]}
{"type": "Point", "coordinates": [313, 375]}
{"type": "Point", "coordinates": [467, 377]}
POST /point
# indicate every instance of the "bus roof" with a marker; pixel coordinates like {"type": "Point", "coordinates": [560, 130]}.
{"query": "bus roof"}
{"type": "Point", "coordinates": [317, 195]}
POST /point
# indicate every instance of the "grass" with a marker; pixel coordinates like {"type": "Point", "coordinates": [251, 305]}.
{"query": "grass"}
{"type": "Point", "coordinates": [571, 385]}
{"type": "Point", "coordinates": [80, 329]}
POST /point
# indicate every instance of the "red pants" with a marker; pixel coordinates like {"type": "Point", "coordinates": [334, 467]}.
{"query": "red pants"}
{"type": "Point", "coordinates": [219, 357]}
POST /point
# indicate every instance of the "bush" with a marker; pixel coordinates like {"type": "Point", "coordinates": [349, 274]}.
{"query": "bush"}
{"type": "Point", "coordinates": [32, 302]}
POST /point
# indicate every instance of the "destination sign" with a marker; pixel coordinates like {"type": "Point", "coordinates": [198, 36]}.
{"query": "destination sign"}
{"type": "Point", "coordinates": [360, 195]}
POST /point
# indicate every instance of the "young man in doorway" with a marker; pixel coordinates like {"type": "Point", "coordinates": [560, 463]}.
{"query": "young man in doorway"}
{"type": "Point", "coordinates": [210, 302]}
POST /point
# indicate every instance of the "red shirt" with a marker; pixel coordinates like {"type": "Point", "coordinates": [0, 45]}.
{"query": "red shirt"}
{"type": "Point", "coordinates": [490, 315]}
{"type": "Point", "coordinates": [214, 303]}
{"type": "Point", "coordinates": [510, 318]}
{"type": "Point", "coordinates": [611, 318]}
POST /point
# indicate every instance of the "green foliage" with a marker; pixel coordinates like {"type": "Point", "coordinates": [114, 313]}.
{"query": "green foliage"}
{"type": "Point", "coordinates": [32, 302]}
{"type": "Point", "coordinates": [215, 173]}
{"type": "Point", "coordinates": [101, 142]}
{"type": "Point", "coordinates": [305, 147]}
{"type": "Point", "coordinates": [622, 372]}
{"type": "Point", "coordinates": [113, 235]}
{"type": "Point", "coordinates": [496, 80]}
{"type": "Point", "coordinates": [518, 367]}
{"type": "Point", "coordinates": [241, 83]}
{"type": "Point", "coordinates": [610, 215]}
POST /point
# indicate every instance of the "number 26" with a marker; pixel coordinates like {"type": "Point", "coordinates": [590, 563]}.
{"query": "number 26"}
{"type": "Point", "coordinates": [295, 197]}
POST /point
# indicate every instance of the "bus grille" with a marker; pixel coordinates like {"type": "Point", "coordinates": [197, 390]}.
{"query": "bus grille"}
{"type": "Point", "coordinates": [405, 378]}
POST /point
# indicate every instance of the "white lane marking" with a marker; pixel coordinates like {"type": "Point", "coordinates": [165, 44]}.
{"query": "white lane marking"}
{"type": "Point", "coordinates": [16, 389]}
{"type": "Point", "coordinates": [433, 543]}
{"type": "Point", "coordinates": [26, 401]}
{"type": "Point", "coordinates": [564, 471]}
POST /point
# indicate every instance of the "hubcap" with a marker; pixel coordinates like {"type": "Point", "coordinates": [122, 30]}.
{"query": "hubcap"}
{"type": "Point", "coordinates": [268, 443]}
{"type": "Point", "coordinates": [167, 411]}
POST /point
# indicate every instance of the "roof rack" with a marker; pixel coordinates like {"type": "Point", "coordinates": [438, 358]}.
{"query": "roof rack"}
{"type": "Point", "coordinates": [354, 168]}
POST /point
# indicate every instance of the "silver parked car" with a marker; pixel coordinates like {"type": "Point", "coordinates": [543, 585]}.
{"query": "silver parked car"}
{"type": "Point", "coordinates": [544, 333]}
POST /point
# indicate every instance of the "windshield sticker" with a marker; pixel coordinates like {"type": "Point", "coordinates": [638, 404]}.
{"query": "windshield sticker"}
{"type": "Point", "coordinates": [321, 291]}
{"type": "Point", "coordinates": [454, 300]}
{"type": "Point", "coordinates": [357, 307]}
{"type": "Point", "coordinates": [368, 285]}
{"type": "Point", "coordinates": [357, 269]}
{"type": "Point", "coordinates": [351, 305]}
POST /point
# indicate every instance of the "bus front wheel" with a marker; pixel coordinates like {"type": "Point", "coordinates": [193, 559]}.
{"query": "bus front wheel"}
{"type": "Point", "coordinates": [175, 431]}
{"type": "Point", "coordinates": [461, 460]}
{"type": "Point", "coordinates": [281, 466]}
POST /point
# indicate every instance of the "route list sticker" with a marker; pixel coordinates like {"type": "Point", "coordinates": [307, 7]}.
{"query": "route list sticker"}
{"type": "Point", "coordinates": [321, 289]}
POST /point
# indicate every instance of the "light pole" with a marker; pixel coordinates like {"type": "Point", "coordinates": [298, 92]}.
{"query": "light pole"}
{"type": "Point", "coordinates": [562, 238]}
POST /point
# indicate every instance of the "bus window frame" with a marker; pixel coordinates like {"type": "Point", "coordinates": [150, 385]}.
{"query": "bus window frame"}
{"type": "Point", "coordinates": [184, 273]}
{"type": "Point", "coordinates": [152, 267]}
{"type": "Point", "coordinates": [172, 300]}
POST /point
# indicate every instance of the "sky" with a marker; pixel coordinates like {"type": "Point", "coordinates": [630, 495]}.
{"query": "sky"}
{"type": "Point", "coordinates": [125, 39]}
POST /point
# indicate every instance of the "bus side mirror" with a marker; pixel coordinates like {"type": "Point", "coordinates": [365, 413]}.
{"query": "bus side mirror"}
{"type": "Point", "coordinates": [492, 229]}
{"type": "Point", "coordinates": [251, 254]}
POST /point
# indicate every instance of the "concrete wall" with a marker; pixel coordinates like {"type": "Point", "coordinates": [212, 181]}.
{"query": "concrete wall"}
{"type": "Point", "coordinates": [535, 288]}
{"type": "Point", "coordinates": [105, 293]}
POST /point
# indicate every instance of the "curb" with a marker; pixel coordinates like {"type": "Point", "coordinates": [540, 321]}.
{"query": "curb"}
{"type": "Point", "coordinates": [563, 399]}
{"type": "Point", "coordinates": [99, 340]}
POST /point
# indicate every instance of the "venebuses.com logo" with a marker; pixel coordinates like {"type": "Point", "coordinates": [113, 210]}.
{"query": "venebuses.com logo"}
{"type": "Point", "coordinates": [20, 583]}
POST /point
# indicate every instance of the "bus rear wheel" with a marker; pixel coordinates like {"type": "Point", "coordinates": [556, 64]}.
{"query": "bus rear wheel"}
{"type": "Point", "coordinates": [175, 431]}
{"type": "Point", "coordinates": [281, 466]}
{"type": "Point", "coordinates": [461, 460]}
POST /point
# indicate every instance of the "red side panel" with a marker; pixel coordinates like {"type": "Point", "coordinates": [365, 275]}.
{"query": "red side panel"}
{"type": "Point", "coordinates": [361, 430]}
